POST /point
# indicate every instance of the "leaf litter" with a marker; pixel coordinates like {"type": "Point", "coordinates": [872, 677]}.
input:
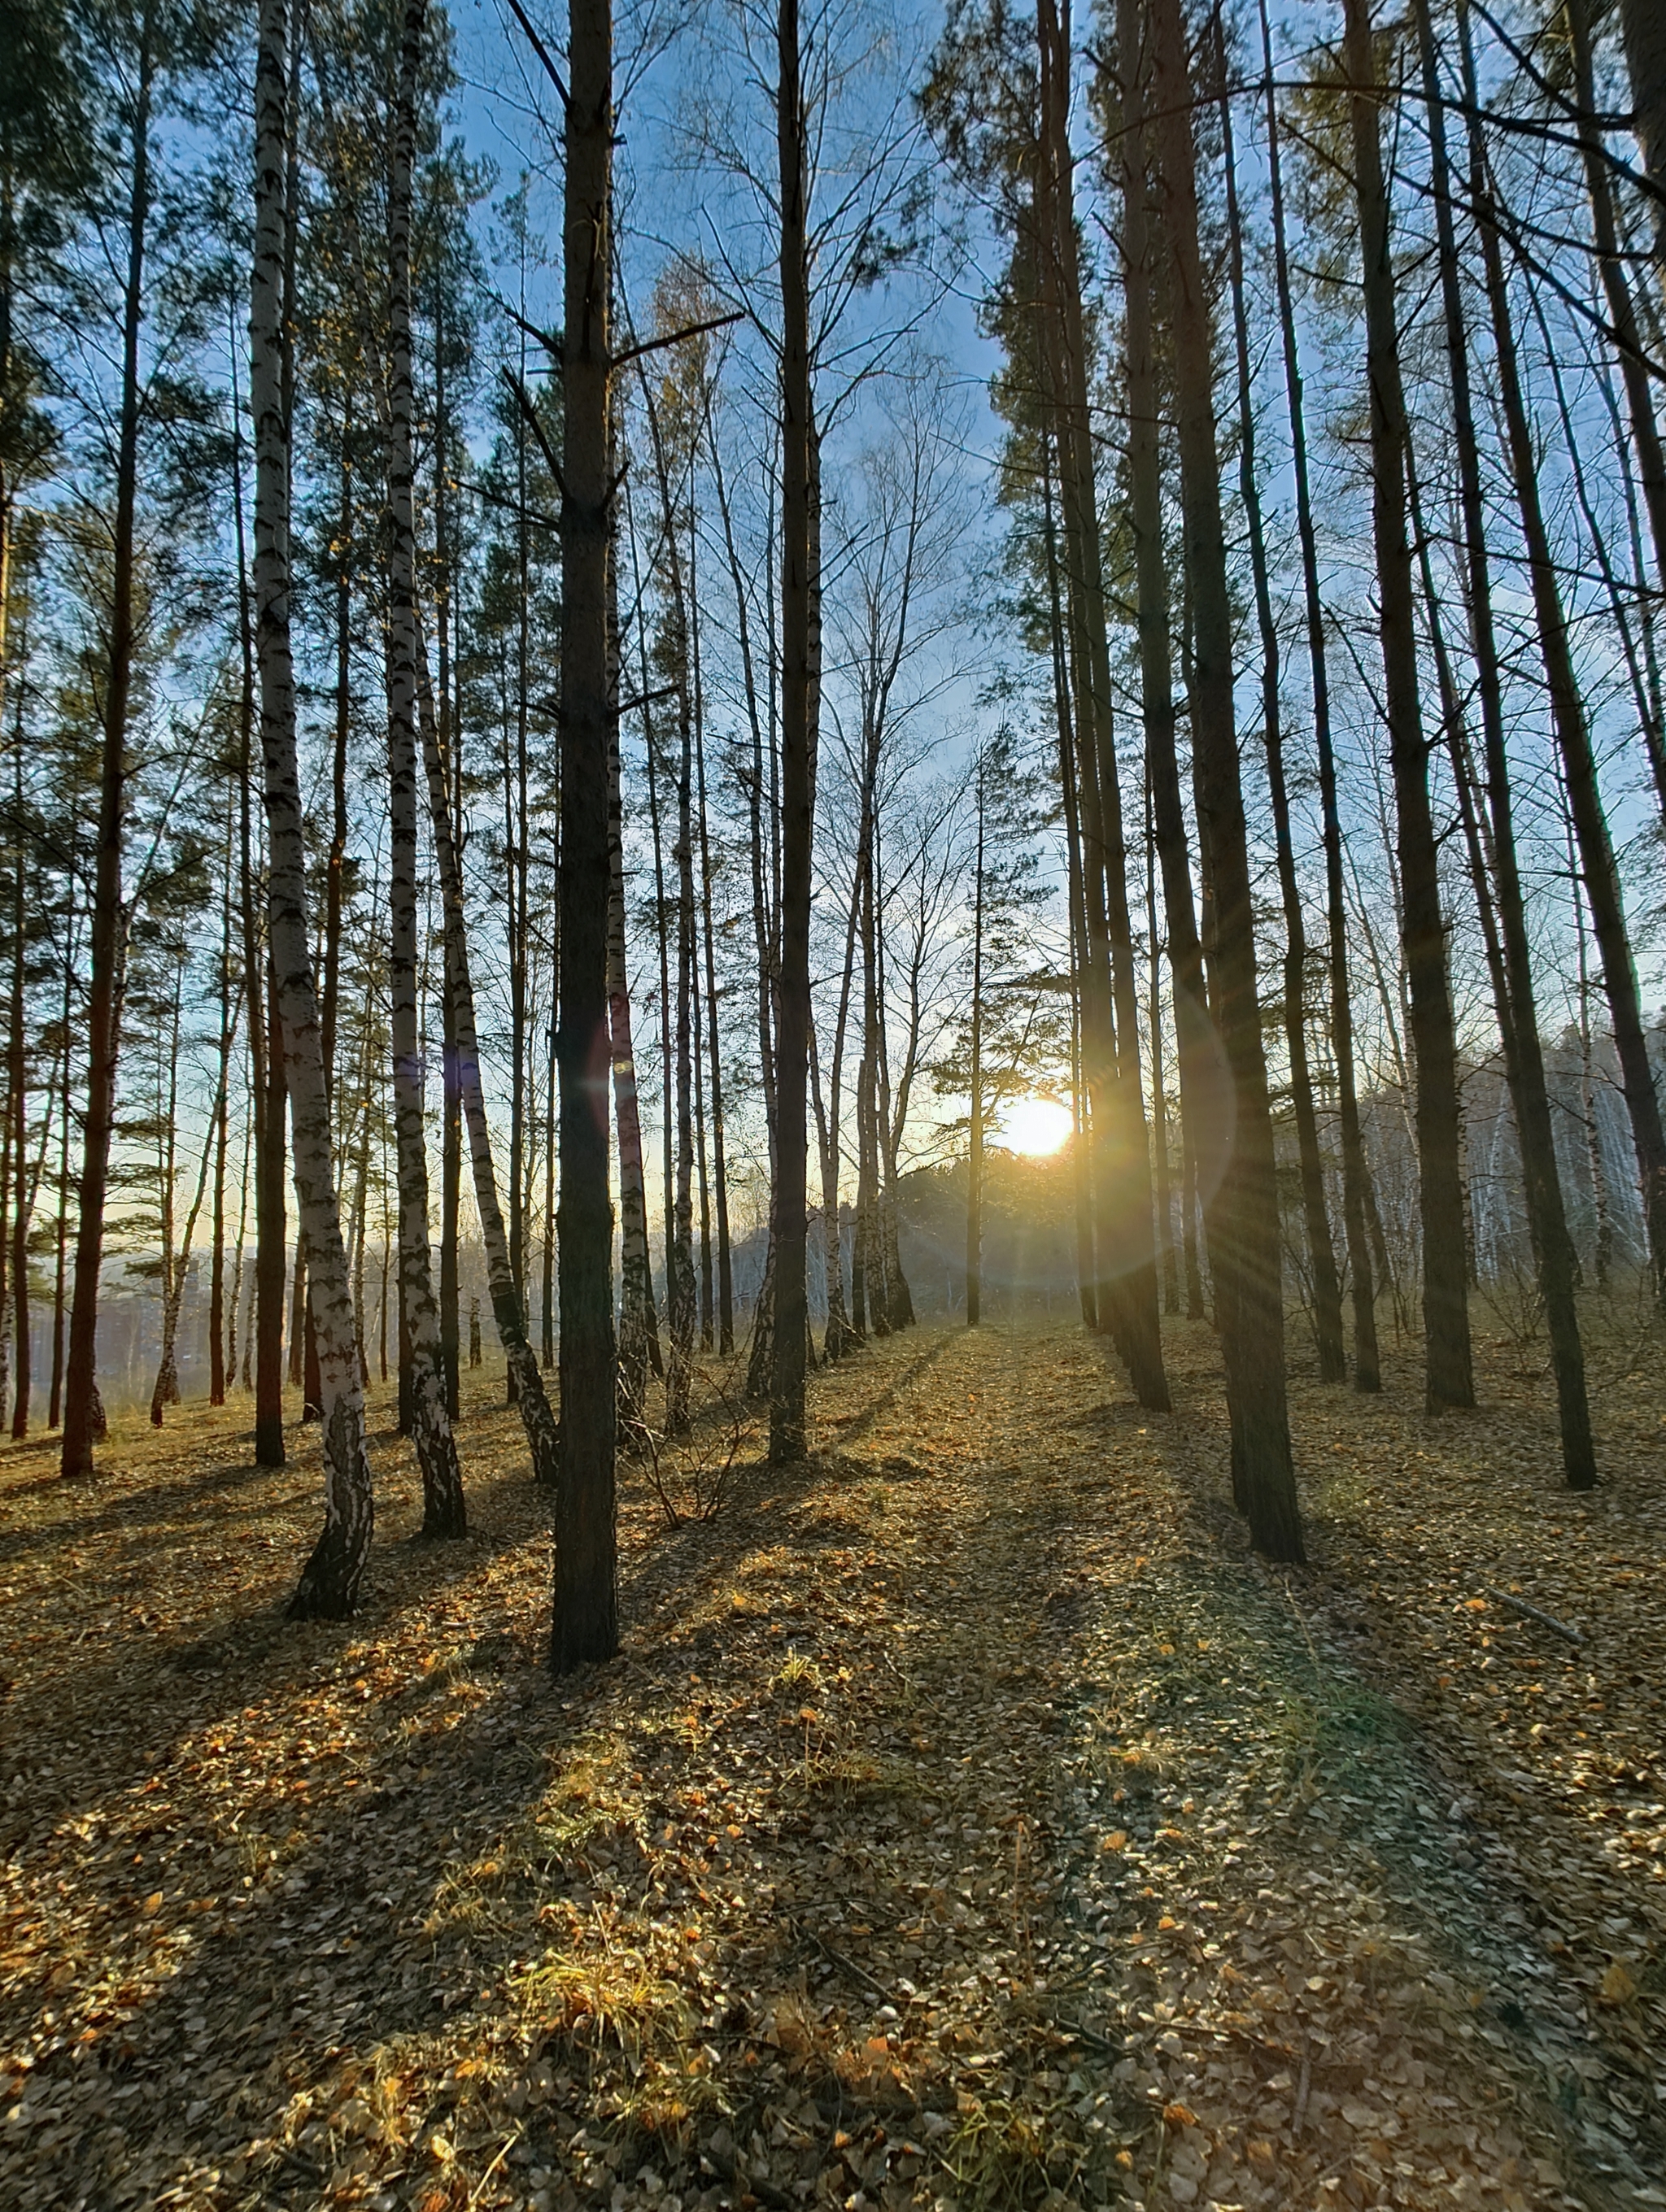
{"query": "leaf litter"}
{"type": "Point", "coordinates": [970, 1821]}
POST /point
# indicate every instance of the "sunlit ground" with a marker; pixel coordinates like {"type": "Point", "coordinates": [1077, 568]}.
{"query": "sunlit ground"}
{"type": "Point", "coordinates": [1034, 1124]}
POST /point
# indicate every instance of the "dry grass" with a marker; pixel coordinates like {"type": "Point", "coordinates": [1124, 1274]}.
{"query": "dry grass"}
{"type": "Point", "coordinates": [969, 1819]}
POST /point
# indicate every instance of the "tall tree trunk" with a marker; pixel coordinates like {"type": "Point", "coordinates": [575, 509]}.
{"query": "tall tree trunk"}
{"type": "Point", "coordinates": [840, 1335]}
{"type": "Point", "coordinates": [1642, 662]}
{"type": "Point", "coordinates": [681, 1290]}
{"type": "Point", "coordinates": [1519, 1020]}
{"type": "Point", "coordinates": [61, 1230]}
{"type": "Point", "coordinates": [1160, 1104]}
{"type": "Point", "coordinates": [974, 1149]}
{"type": "Point", "coordinates": [519, 858]}
{"type": "Point", "coordinates": [1448, 1365]}
{"type": "Point", "coordinates": [83, 1412]}
{"type": "Point", "coordinates": [800, 655]}
{"type": "Point", "coordinates": [1244, 1236]}
{"type": "Point", "coordinates": [449, 733]}
{"type": "Point", "coordinates": [668, 1078]}
{"type": "Point", "coordinates": [891, 1117]}
{"type": "Point", "coordinates": [1206, 1095]}
{"type": "Point", "coordinates": [335, 862]}
{"type": "Point", "coordinates": [858, 1329]}
{"type": "Point", "coordinates": [298, 1323]}
{"type": "Point", "coordinates": [1322, 1253]}
{"type": "Point", "coordinates": [1126, 1291]}
{"type": "Point", "coordinates": [1080, 972]}
{"type": "Point", "coordinates": [760, 1365]}
{"type": "Point", "coordinates": [330, 1581]}
{"type": "Point", "coordinates": [702, 1162]}
{"type": "Point", "coordinates": [586, 1626]}
{"type": "Point", "coordinates": [1643, 27]}
{"type": "Point", "coordinates": [547, 1310]}
{"type": "Point", "coordinates": [271, 1231]}
{"type": "Point", "coordinates": [1597, 863]}
{"type": "Point", "coordinates": [221, 1139]}
{"type": "Point", "coordinates": [639, 1335]}
{"type": "Point", "coordinates": [527, 1391]}
{"type": "Point", "coordinates": [262, 1337]}
{"type": "Point", "coordinates": [1367, 1373]}
{"type": "Point", "coordinates": [451, 1194]}
{"type": "Point", "coordinates": [443, 1511]}
{"type": "Point", "coordinates": [754, 786]}
{"type": "Point", "coordinates": [1602, 1257]}
{"type": "Point", "coordinates": [846, 1325]}
{"type": "Point", "coordinates": [18, 1092]}
{"type": "Point", "coordinates": [165, 1390]}
{"type": "Point", "coordinates": [878, 1292]}
{"type": "Point", "coordinates": [234, 1305]}
{"type": "Point", "coordinates": [714, 1030]}
{"type": "Point", "coordinates": [1622, 311]}
{"type": "Point", "coordinates": [22, 1407]}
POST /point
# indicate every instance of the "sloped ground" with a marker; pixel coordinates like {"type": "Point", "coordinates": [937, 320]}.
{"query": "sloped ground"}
{"type": "Point", "coordinates": [971, 1819]}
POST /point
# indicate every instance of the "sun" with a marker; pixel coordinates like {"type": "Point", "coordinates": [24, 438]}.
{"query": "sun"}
{"type": "Point", "coordinates": [1035, 1125]}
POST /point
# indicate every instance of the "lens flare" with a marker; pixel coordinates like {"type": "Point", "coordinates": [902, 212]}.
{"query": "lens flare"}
{"type": "Point", "coordinates": [1035, 1126]}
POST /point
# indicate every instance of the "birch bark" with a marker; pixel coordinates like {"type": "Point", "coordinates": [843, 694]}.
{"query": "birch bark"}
{"type": "Point", "coordinates": [330, 1581]}
{"type": "Point", "coordinates": [443, 1511]}
{"type": "Point", "coordinates": [526, 1388]}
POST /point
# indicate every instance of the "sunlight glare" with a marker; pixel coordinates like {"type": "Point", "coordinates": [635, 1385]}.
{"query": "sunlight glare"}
{"type": "Point", "coordinates": [1035, 1126]}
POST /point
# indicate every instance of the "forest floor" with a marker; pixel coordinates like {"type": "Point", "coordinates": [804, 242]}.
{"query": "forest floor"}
{"type": "Point", "coordinates": [970, 1821]}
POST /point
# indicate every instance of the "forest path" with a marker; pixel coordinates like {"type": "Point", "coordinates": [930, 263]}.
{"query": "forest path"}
{"type": "Point", "coordinates": [969, 1818]}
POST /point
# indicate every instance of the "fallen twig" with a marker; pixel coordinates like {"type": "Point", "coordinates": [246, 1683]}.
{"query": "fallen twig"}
{"type": "Point", "coordinates": [1091, 2036]}
{"type": "Point", "coordinates": [1535, 1613]}
{"type": "Point", "coordinates": [849, 1966]}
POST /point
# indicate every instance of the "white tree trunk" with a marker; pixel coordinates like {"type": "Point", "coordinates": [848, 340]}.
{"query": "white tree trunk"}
{"type": "Point", "coordinates": [330, 1581]}
{"type": "Point", "coordinates": [530, 1395]}
{"type": "Point", "coordinates": [638, 1331]}
{"type": "Point", "coordinates": [443, 1511]}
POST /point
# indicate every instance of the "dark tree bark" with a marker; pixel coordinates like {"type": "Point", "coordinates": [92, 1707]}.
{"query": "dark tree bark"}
{"type": "Point", "coordinates": [974, 1149]}
{"type": "Point", "coordinates": [1086, 1286]}
{"type": "Point", "coordinates": [82, 1410]}
{"type": "Point", "coordinates": [1650, 46]}
{"type": "Point", "coordinates": [678, 1011]}
{"type": "Point", "coordinates": [1206, 1095]}
{"type": "Point", "coordinates": [17, 1093]}
{"type": "Point", "coordinates": [1243, 1220]}
{"type": "Point", "coordinates": [586, 1624]}
{"type": "Point", "coordinates": [800, 670]}
{"type": "Point", "coordinates": [1322, 1253]}
{"type": "Point", "coordinates": [1163, 1178]}
{"type": "Point", "coordinates": [264, 1340]}
{"type": "Point", "coordinates": [1448, 1365]}
{"type": "Point", "coordinates": [448, 735]}
{"type": "Point", "coordinates": [61, 1233]}
{"type": "Point", "coordinates": [1517, 1014]}
{"type": "Point", "coordinates": [1597, 863]}
{"type": "Point", "coordinates": [1642, 26]}
{"type": "Point", "coordinates": [1126, 1293]}
{"type": "Point", "coordinates": [1367, 1373]}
